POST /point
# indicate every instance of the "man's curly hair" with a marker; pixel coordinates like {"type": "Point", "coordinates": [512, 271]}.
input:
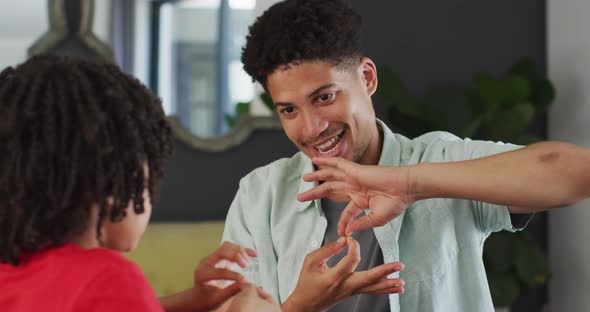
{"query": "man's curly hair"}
{"type": "Point", "coordinates": [72, 134]}
{"type": "Point", "coordinates": [293, 31]}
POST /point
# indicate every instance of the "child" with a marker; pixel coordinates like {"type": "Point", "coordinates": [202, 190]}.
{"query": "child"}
{"type": "Point", "coordinates": [82, 152]}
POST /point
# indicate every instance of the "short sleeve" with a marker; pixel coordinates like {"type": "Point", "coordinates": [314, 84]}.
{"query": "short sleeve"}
{"type": "Point", "coordinates": [119, 287]}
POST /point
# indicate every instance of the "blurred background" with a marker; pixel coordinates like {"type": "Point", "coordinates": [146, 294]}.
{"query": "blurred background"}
{"type": "Point", "coordinates": [442, 65]}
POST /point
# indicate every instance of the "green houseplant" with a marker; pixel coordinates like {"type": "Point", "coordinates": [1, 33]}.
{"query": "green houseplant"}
{"type": "Point", "coordinates": [243, 108]}
{"type": "Point", "coordinates": [498, 109]}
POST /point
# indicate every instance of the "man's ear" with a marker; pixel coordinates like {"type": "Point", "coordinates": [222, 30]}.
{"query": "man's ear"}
{"type": "Point", "coordinates": [368, 71]}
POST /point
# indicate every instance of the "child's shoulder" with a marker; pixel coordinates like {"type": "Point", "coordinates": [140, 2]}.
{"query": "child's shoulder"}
{"type": "Point", "coordinates": [90, 262]}
{"type": "Point", "coordinates": [107, 259]}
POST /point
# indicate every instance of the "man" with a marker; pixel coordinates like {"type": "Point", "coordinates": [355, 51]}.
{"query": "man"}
{"type": "Point", "coordinates": [306, 54]}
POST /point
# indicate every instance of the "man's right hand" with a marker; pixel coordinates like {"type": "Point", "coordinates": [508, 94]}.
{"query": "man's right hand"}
{"type": "Point", "coordinates": [319, 286]}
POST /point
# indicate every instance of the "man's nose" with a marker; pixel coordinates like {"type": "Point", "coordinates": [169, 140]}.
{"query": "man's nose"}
{"type": "Point", "coordinates": [313, 125]}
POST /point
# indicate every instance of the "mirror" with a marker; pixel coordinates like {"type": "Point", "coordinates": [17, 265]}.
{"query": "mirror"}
{"type": "Point", "coordinates": [197, 47]}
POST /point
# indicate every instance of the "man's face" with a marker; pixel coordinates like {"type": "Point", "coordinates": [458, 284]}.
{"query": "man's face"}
{"type": "Point", "coordinates": [327, 111]}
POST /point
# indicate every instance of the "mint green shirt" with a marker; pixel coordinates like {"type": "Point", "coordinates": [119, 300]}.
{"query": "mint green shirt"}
{"type": "Point", "coordinates": [440, 241]}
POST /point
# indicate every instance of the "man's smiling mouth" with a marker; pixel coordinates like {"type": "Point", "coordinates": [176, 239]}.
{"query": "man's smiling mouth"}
{"type": "Point", "coordinates": [330, 146]}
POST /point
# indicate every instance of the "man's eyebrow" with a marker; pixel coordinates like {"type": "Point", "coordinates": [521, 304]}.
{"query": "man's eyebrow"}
{"type": "Point", "coordinates": [277, 104]}
{"type": "Point", "coordinates": [312, 94]}
{"type": "Point", "coordinates": [320, 89]}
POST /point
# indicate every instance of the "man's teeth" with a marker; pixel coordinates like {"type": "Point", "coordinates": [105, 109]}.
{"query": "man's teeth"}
{"type": "Point", "coordinates": [327, 143]}
{"type": "Point", "coordinates": [321, 148]}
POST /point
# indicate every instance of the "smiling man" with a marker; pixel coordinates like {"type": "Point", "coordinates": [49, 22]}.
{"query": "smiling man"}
{"type": "Point", "coordinates": [307, 55]}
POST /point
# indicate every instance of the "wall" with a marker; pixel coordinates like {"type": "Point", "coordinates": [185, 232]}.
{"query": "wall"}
{"type": "Point", "coordinates": [434, 42]}
{"type": "Point", "coordinates": [569, 120]}
{"type": "Point", "coordinates": [23, 22]}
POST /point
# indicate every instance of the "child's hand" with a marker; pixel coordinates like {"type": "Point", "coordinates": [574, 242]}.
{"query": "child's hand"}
{"type": "Point", "coordinates": [210, 295]}
{"type": "Point", "coordinates": [204, 296]}
{"type": "Point", "coordinates": [252, 299]}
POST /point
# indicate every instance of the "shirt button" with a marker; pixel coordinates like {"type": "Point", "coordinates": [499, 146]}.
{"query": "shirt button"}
{"type": "Point", "coordinates": [315, 244]}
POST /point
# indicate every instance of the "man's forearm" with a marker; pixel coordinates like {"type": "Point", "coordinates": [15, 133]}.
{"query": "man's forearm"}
{"type": "Point", "coordinates": [290, 305]}
{"type": "Point", "coordinates": [537, 177]}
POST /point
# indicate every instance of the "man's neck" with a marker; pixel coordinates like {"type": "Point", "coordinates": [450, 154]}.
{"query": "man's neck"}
{"type": "Point", "coordinates": [373, 152]}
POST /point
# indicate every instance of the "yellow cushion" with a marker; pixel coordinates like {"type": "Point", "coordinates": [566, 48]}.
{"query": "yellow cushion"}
{"type": "Point", "coordinates": [169, 253]}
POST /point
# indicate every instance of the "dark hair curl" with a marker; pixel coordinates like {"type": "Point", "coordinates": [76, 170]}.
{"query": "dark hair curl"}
{"type": "Point", "coordinates": [293, 31]}
{"type": "Point", "coordinates": [73, 133]}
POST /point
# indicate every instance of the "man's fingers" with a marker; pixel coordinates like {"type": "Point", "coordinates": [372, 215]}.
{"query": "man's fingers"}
{"type": "Point", "coordinates": [349, 262]}
{"type": "Point", "coordinates": [323, 190]}
{"type": "Point", "coordinates": [251, 252]}
{"type": "Point", "coordinates": [348, 214]}
{"type": "Point", "coordinates": [360, 224]}
{"type": "Point", "coordinates": [385, 285]}
{"type": "Point", "coordinates": [360, 280]}
{"type": "Point", "coordinates": [326, 174]}
{"type": "Point", "coordinates": [317, 258]}
{"type": "Point", "coordinates": [383, 270]}
{"type": "Point", "coordinates": [390, 291]}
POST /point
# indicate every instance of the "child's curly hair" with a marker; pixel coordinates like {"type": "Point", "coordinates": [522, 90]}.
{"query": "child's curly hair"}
{"type": "Point", "coordinates": [72, 134]}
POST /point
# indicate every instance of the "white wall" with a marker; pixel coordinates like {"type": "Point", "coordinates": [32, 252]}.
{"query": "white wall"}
{"type": "Point", "coordinates": [23, 22]}
{"type": "Point", "coordinates": [569, 120]}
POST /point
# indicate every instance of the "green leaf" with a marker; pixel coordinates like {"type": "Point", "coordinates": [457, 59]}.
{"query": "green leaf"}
{"type": "Point", "coordinates": [268, 102]}
{"type": "Point", "coordinates": [393, 90]}
{"type": "Point", "coordinates": [515, 89]}
{"type": "Point", "coordinates": [487, 89]}
{"type": "Point", "coordinates": [542, 90]}
{"type": "Point", "coordinates": [230, 121]}
{"type": "Point", "coordinates": [543, 94]}
{"type": "Point", "coordinates": [504, 289]}
{"type": "Point", "coordinates": [525, 67]}
{"type": "Point", "coordinates": [506, 125]}
{"type": "Point", "coordinates": [242, 108]}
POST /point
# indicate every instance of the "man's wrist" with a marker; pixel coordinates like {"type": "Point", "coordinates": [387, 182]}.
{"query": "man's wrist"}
{"type": "Point", "coordinates": [417, 181]}
{"type": "Point", "coordinates": [292, 305]}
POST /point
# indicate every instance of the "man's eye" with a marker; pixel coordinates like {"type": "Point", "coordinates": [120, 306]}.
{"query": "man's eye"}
{"type": "Point", "coordinates": [326, 97]}
{"type": "Point", "coordinates": [288, 110]}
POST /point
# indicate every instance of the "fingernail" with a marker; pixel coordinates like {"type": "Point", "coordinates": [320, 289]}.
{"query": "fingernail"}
{"type": "Point", "coordinates": [341, 240]}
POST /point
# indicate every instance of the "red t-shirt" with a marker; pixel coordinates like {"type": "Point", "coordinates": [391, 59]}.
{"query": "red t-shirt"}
{"type": "Point", "coordinates": [68, 278]}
